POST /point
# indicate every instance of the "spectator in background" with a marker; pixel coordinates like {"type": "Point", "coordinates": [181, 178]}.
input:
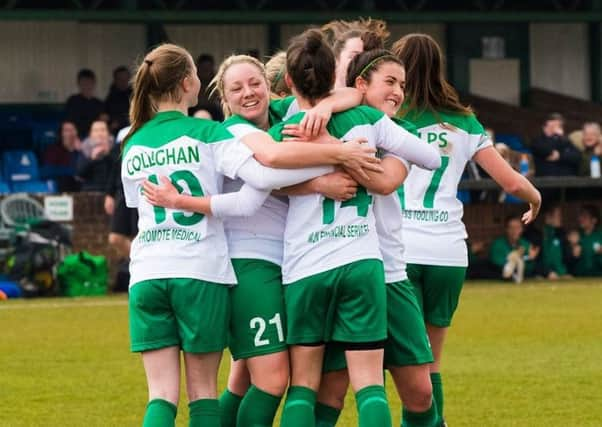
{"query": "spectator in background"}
{"type": "Point", "coordinates": [95, 166]}
{"type": "Point", "coordinates": [592, 146]}
{"type": "Point", "coordinates": [83, 108]}
{"type": "Point", "coordinates": [511, 255]}
{"type": "Point", "coordinates": [586, 245]}
{"type": "Point", "coordinates": [553, 153]}
{"type": "Point", "coordinates": [208, 100]}
{"type": "Point", "coordinates": [62, 157]}
{"type": "Point", "coordinates": [124, 220]}
{"type": "Point", "coordinates": [117, 104]}
{"type": "Point", "coordinates": [551, 259]}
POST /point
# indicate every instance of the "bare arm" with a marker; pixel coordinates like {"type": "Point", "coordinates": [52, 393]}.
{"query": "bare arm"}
{"type": "Point", "coordinates": [337, 186]}
{"type": "Point", "coordinates": [511, 181]}
{"type": "Point", "coordinates": [300, 154]}
{"type": "Point", "coordinates": [384, 183]}
{"type": "Point", "coordinates": [340, 99]}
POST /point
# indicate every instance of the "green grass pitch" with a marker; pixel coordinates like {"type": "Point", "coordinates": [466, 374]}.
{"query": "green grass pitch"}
{"type": "Point", "coordinates": [526, 355]}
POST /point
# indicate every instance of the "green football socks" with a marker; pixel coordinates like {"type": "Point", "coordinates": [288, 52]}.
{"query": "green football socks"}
{"type": "Point", "coordinates": [326, 416]}
{"type": "Point", "coordinates": [438, 393]}
{"type": "Point", "coordinates": [372, 407]}
{"type": "Point", "coordinates": [228, 408]}
{"type": "Point", "coordinates": [257, 409]}
{"type": "Point", "coordinates": [299, 408]}
{"type": "Point", "coordinates": [204, 413]}
{"type": "Point", "coordinates": [429, 418]}
{"type": "Point", "coordinates": [160, 413]}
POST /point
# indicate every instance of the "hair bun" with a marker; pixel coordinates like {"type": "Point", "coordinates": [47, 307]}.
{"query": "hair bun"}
{"type": "Point", "coordinates": [314, 41]}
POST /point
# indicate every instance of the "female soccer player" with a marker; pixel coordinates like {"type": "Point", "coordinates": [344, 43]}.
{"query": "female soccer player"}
{"type": "Point", "coordinates": [349, 38]}
{"type": "Point", "coordinates": [257, 333]}
{"type": "Point", "coordinates": [180, 271]}
{"type": "Point", "coordinates": [274, 71]}
{"type": "Point", "coordinates": [332, 266]}
{"type": "Point", "coordinates": [434, 235]}
{"type": "Point", "coordinates": [380, 77]}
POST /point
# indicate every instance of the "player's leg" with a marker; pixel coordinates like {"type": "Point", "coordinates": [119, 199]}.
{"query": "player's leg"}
{"type": "Point", "coordinates": [153, 332]}
{"type": "Point", "coordinates": [308, 320]}
{"type": "Point", "coordinates": [203, 333]}
{"type": "Point", "coordinates": [442, 287]}
{"type": "Point", "coordinates": [162, 369]}
{"type": "Point", "coordinates": [408, 355]}
{"type": "Point", "coordinates": [239, 381]}
{"type": "Point", "coordinates": [258, 336]}
{"type": "Point", "coordinates": [333, 386]}
{"type": "Point", "coordinates": [361, 323]}
{"type": "Point", "coordinates": [201, 387]}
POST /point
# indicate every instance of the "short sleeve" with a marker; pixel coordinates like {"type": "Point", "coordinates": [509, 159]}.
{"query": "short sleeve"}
{"type": "Point", "coordinates": [479, 138]}
{"type": "Point", "coordinates": [282, 109]}
{"type": "Point", "coordinates": [131, 188]}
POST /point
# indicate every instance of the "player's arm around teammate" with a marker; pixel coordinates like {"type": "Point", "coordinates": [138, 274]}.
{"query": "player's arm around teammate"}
{"type": "Point", "coordinates": [179, 277]}
{"type": "Point", "coordinates": [334, 282]}
{"type": "Point", "coordinates": [381, 78]}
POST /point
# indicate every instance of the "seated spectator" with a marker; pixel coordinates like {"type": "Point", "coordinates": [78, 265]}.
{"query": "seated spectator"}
{"type": "Point", "coordinates": [585, 258]}
{"type": "Point", "coordinates": [83, 108]}
{"type": "Point", "coordinates": [511, 255]}
{"type": "Point", "coordinates": [553, 153]}
{"type": "Point", "coordinates": [592, 146]}
{"type": "Point", "coordinates": [117, 103]}
{"type": "Point", "coordinates": [95, 166]}
{"type": "Point", "coordinates": [64, 154]}
{"type": "Point", "coordinates": [551, 259]}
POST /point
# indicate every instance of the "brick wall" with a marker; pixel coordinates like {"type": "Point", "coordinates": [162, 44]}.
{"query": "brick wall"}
{"type": "Point", "coordinates": [91, 226]}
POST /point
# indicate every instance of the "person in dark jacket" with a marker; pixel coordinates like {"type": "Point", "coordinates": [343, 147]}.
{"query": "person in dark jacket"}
{"type": "Point", "coordinates": [83, 108]}
{"type": "Point", "coordinates": [117, 103]}
{"type": "Point", "coordinates": [553, 153]}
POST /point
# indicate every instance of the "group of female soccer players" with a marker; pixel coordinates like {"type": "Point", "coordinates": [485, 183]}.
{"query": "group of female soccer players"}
{"type": "Point", "coordinates": [280, 234]}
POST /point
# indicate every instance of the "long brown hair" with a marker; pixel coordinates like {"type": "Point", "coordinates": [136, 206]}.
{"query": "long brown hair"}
{"type": "Point", "coordinates": [157, 79]}
{"type": "Point", "coordinates": [310, 63]}
{"type": "Point", "coordinates": [373, 33]}
{"type": "Point", "coordinates": [426, 86]}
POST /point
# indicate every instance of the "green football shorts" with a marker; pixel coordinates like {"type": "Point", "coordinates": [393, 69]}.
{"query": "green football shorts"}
{"type": "Point", "coordinates": [438, 290]}
{"type": "Point", "coordinates": [257, 322]}
{"type": "Point", "coordinates": [407, 343]}
{"type": "Point", "coordinates": [346, 304]}
{"type": "Point", "coordinates": [192, 314]}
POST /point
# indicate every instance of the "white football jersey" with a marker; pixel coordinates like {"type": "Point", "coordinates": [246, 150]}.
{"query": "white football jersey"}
{"type": "Point", "coordinates": [192, 153]}
{"type": "Point", "coordinates": [433, 232]}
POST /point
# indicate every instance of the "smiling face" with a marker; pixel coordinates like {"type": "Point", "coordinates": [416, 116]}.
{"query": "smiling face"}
{"type": "Point", "coordinates": [385, 88]}
{"type": "Point", "coordinates": [246, 92]}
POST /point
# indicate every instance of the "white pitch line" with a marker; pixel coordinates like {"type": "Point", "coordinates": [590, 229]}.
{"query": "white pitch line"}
{"type": "Point", "coordinates": [74, 304]}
